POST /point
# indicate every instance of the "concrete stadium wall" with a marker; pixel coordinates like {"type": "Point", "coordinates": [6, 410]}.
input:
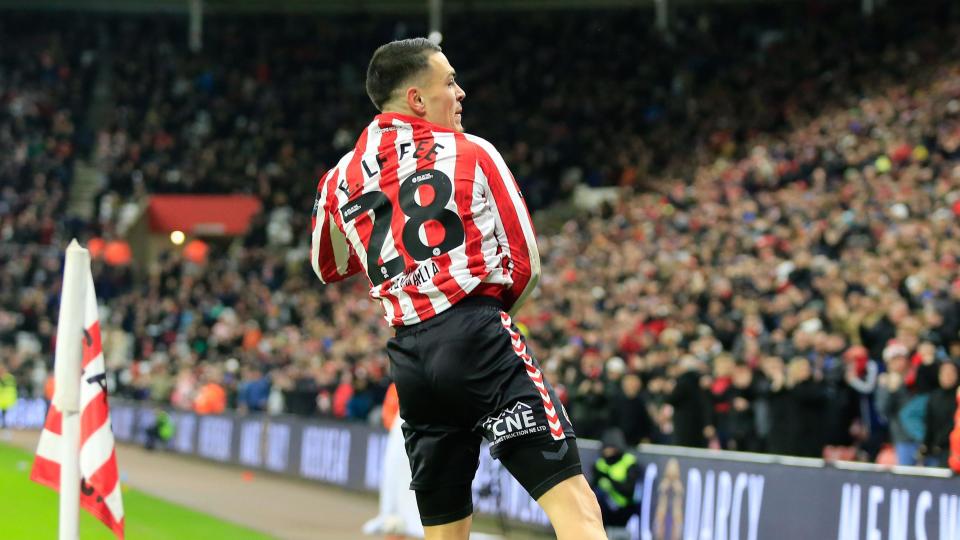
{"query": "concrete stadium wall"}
{"type": "Point", "coordinates": [695, 494]}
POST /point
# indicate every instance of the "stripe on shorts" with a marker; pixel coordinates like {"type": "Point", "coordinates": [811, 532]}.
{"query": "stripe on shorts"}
{"type": "Point", "coordinates": [520, 348]}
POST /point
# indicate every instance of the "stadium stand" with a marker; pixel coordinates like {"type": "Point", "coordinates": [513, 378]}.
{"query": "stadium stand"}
{"type": "Point", "coordinates": [778, 273]}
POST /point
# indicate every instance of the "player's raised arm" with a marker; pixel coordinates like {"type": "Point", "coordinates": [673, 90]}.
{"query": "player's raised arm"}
{"type": "Point", "coordinates": [330, 253]}
{"type": "Point", "coordinates": [514, 225]}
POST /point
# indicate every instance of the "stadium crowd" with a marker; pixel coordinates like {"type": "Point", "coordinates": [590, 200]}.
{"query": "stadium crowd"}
{"type": "Point", "coordinates": [779, 273]}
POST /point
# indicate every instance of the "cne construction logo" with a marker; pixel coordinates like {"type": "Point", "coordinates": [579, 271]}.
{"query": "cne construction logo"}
{"type": "Point", "coordinates": [511, 423]}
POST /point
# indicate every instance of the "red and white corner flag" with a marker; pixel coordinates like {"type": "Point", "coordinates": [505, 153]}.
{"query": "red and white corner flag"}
{"type": "Point", "coordinates": [76, 445]}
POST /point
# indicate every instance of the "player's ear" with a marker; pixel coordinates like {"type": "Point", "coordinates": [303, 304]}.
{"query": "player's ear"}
{"type": "Point", "coordinates": [415, 101]}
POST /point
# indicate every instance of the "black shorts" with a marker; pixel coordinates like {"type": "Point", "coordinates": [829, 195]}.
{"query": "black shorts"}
{"type": "Point", "coordinates": [464, 375]}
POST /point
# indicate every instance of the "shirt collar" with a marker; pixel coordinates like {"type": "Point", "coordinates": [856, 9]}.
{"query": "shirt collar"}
{"type": "Point", "coordinates": [384, 120]}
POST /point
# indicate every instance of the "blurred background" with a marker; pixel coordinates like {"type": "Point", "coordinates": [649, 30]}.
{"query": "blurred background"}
{"type": "Point", "coordinates": [747, 211]}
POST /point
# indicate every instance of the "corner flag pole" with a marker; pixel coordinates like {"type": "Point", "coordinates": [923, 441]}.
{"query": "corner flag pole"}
{"type": "Point", "coordinates": [66, 396]}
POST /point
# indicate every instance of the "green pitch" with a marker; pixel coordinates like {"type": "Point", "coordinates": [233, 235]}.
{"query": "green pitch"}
{"type": "Point", "coordinates": [28, 511]}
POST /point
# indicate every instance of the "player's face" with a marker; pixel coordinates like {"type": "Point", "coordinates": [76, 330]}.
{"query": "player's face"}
{"type": "Point", "coordinates": [442, 95]}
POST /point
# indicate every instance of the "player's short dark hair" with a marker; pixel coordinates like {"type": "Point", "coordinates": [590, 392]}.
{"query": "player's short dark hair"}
{"type": "Point", "coordinates": [393, 64]}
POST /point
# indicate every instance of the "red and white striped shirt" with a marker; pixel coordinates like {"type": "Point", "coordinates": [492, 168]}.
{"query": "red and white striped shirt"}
{"type": "Point", "coordinates": [430, 215]}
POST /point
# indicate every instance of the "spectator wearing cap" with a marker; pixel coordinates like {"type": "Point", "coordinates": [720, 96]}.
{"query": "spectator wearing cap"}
{"type": "Point", "coordinates": [613, 370]}
{"type": "Point", "coordinates": [893, 396]}
{"type": "Point", "coordinates": [615, 476]}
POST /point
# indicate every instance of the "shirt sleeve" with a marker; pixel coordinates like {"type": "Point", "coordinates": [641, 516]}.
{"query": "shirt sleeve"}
{"type": "Point", "coordinates": [513, 220]}
{"type": "Point", "coordinates": [331, 255]}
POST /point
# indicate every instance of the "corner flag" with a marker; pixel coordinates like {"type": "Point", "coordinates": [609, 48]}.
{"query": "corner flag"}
{"type": "Point", "coordinates": [77, 430]}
